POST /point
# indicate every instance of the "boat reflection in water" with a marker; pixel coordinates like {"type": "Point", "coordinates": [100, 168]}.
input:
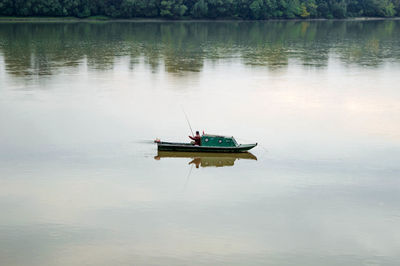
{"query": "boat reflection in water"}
{"type": "Point", "coordinates": [207, 159]}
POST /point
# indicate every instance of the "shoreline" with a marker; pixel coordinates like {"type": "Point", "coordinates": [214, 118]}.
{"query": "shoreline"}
{"type": "Point", "coordinates": [107, 19]}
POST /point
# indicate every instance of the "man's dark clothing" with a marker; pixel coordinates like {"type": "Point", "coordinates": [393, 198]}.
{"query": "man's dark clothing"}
{"type": "Point", "coordinates": [197, 140]}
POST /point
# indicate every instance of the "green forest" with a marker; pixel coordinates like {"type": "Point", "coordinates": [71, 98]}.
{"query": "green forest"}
{"type": "Point", "coordinates": [202, 9]}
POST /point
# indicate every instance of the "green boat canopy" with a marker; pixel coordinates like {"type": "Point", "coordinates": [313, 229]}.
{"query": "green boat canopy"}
{"type": "Point", "coordinates": [218, 141]}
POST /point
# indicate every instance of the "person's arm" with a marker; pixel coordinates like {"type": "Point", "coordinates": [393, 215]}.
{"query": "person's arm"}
{"type": "Point", "coordinates": [192, 138]}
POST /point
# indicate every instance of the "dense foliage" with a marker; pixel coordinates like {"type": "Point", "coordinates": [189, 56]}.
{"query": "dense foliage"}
{"type": "Point", "coordinates": [209, 9]}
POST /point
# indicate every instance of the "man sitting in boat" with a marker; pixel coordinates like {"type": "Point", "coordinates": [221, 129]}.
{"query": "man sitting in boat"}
{"type": "Point", "coordinates": [197, 139]}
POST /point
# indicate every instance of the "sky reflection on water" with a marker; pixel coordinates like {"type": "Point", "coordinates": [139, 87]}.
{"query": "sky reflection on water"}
{"type": "Point", "coordinates": [81, 103]}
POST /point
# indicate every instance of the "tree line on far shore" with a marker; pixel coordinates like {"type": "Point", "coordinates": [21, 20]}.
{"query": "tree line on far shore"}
{"type": "Point", "coordinates": [202, 9]}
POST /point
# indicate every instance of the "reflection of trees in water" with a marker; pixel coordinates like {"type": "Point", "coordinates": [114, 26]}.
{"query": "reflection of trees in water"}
{"type": "Point", "coordinates": [40, 49]}
{"type": "Point", "coordinates": [373, 43]}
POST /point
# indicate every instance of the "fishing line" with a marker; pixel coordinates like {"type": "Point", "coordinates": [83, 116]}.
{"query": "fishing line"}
{"type": "Point", "coordinates": [187, 178]}
{"type": "Point", "coordinates": [187, 120]}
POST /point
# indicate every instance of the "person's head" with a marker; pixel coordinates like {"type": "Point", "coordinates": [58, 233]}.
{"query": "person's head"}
{"type": "Point", "coordinates": [197, 133]}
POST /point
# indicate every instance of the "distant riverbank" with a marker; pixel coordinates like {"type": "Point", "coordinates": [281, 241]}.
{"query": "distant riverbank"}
{"type": "Point", "coordinates": [110, 19]}
{"type": "Point", "coordinates": [50, 19]}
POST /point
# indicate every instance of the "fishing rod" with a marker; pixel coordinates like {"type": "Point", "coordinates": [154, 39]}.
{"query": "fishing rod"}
{"type": "Point", "coordinates": [187, 120]}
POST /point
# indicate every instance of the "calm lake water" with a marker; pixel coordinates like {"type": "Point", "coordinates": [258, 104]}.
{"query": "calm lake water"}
{"type": "Point", "coordinates": [81, 182]}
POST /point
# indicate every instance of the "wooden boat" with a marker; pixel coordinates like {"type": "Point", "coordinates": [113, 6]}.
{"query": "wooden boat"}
{"type": "Point", "coordinates": [209, 143]}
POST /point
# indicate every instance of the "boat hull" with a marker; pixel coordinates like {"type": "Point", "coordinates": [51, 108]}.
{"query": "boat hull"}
{"type": "Point", "coordinates": [187, 147]}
